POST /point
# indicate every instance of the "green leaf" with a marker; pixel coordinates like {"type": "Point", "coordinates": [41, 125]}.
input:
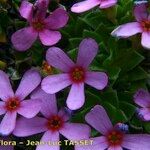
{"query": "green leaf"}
{"type": "Point", "coordinates": [110, 97]}
{"type": "Point", "coordinates": [91, 34]}
{"type": "Point", "coordinates": [124, 59]}
{"type": "Point", "coordinates": [113, 74]}
{"type": "Point", "coordinates": [127, 108]}
{"type": "Point", "coordinates": [116, 115]}
{"type": "Point", "coordinates": [74, 42]}
{"type": "Point", "coordinates": [92, 99]}
{"type": "Point", "coordinates": [147, 126]}
{"type": "Point", "coordinates": [137, 74]}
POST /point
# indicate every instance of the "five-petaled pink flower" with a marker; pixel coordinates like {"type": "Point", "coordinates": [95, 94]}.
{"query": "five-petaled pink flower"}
{"type": "Point", "coordinates": [89, 4]}
{"type": "Point", "coordinates": [74, 74]}
{"type": "Point", "coordinates": [40, 25]}
{"type": "Point", "coordinates": [112, 138]}
{"type": "Point", "coordinates": [142, 98]}
{"type": "Point", "coordinates": [142, 25]}
{"type": "Point", "coordinates": [52, 124]}
{"type": "Point", "coordinates": [12, 104]}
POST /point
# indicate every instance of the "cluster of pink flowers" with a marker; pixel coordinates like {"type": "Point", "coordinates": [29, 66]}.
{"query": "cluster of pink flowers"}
{"type": "Point", "coordinates": [14, 103]}
{"type": "Point", "coordinates": [53, 122]}
{"type": "Point", "coordinates": [46, 27]}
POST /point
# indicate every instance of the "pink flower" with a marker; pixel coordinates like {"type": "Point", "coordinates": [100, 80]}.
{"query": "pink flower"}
{"type": "Point", "coordinates": [113, 138]}
{"type": "Point", "coordinates": [142, 98]}
{"type": "Point", "coordinates": [52, 124]}
{"type": "Point", "coordinates": [141, 25]}
{"type": "Point", "coordinates": [89, 4]}
{"type": "Point", "coordinates": [74, 74]}
{"type": "Point", "coordinates": [45, 28]}
{"type": "Point", "coordinates": [12, 104]}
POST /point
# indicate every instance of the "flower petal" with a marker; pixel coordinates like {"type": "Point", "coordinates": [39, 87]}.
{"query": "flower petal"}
{"type": "Point", "coordinates": [49, 137]}
{"type": "Point", "coordinates": [58, 59]}
{"type": "Point", "coordinates": [88, 49]}
{"type": "Point", "coordinates": [27, 127]}
{"type": "Point", "coordinates": [57, 19]}
{"type": "Point", "coordinates": [136, 141]}
{"type": "Point", "coordinates": [30, 80]}
{"type": "Point", "coordinates": [8, 123]}
{"type": "Point", "coordinates": [142, 98]}
{"type": "Point", "coordinates": [99, 119]}
{"type": "Point", "coordinates": [49, 37]}
{"type": "Point", "coordinates": [24, 38]}
{"type": "Point", "coordinates": [140, 12]}
{"type": "Point", "coordinates": [6, 147]}
{"type": "Point", "coordinates": [115, 148]}
{"type": "Point", "coordinates": [26, 10]}
{"type": "Point", "coordinates": [63, 114]}
{"type": "Point", "coordinates": [5, 87]}
{"type": "Point", "coordinates": [99, 143]}
{"type": "Point", "coordinates": [48, 102]}
{"type": "Point", "coordinates": [98, 80]}
{"type": "Point", "coordinates": [108, 3]}
{"type": "Point", "coordinates": [84, 6]}
{"type": "Point", "coordinates": [2, 108]}
{"type": "Point", "coordinates": [145, 114]}
{"type": "Point", "coordinates": [145, 40]}
{"type": "Point", "coordinates": [30, 108]}
{"type": "Point", "coordinates": [75, 131]}
{"type": "Point", "coordinates": [42, 6]}
{"type": "Point", "coordinates": [55, 83]}
{"type": "Point", "coordinates": [76, 97]}
{"type": "Point", "coordinates": [127, 30]}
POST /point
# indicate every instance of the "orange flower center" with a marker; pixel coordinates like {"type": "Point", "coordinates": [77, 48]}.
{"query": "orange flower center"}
{"type": "Point", "coordinates": [77, 74]}
{"type": "Point", "coordinates": [46, 68]}
{"type": "Point", "coordinates": [146, 25]}
{"type": "Point", "coordinates": [12, 104]}
{"type": "Point", "coordinates": [55, 123]}
{"type": "Point", "coordinates": [115, 138]}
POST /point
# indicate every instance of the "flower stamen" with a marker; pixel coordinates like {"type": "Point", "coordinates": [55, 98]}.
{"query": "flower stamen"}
{"type": "Point", "coordinates": [12, 104]}
{"type": "Point", "coordinates": [38, 24]}
{"type": "Point", "coordinates": [146, 25]}
{"type": "Point", "coordinates": [46, 68]}
{"type": "Point", "coordinates": [55, 123]}
{"type": "Point", "coordinates": [115, 138]}
{"type": "Point", "coordinates": [77, 74]}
